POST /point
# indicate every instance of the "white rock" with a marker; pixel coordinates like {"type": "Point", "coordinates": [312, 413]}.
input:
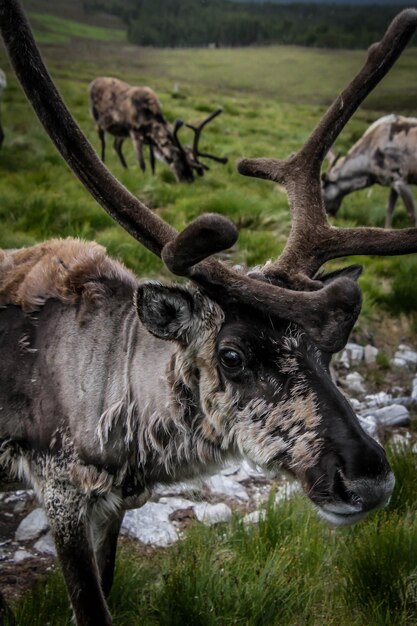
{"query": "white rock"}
{"type": "Point", "coordinates": [393, 415]}
{"type": "Point", "coordinates": [210, 514]}
{"type": "Point", "coordinates": [32, 526]}
{"type": "Point", "coordinates": [226, 486]}
{"type": "Point", "coordinates": [175, 504]}
{"type": "Point", "coordinates": [414, 389]}
{"type": "Point", "coordinates": [355, 351]}
{"type": "Point", "coordinates": [46, 545]}
{"type": "Point", "coordinates": [378, 399]}
{"type": "Point", "coordinates": [355, 404]}
{"type": "Point", "coordinates": [150, 524]}
{"type": "Point", "coordinates": [370, 426]}
{"type": "Point", "coordinates": [354, 381]}
{"type": "Point", "coordinates": [21, 555]}
{"type": "Point", "coordinates": [343, 359]}
{"type": "Point", "coordinates": [398, 362]}
{"type": "Point", "coordinates": [407, 354]}
{"type": "Point", "coordinates": [255, 517]}
{"type": "Point", "coordinates": [370, 354]}
{"type": "Point", "coordinates": [403, 347]}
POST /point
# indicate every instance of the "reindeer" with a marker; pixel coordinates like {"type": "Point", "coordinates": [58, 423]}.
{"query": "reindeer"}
{"type": "Point", "coordinates": [386, 154]}
{"type": "Point", "coordinates": [110, 384]}
{"type": "Point", "coordinates": [126, 111]}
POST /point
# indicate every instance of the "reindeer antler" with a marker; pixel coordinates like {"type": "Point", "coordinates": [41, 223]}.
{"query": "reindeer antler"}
{"type": "Point", "coordinates": [312, 240]}
{"type": "Point", "coordinates": [326, 314]}
{"type": "Point", "coordinates": [195, 163]}
{"type": "Point", "coordinates": [197, 135]}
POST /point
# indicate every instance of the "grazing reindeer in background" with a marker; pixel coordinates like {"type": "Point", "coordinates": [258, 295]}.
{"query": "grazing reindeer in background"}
{"type": "Point", "coordinates": [385, 155]}
{"type": "Point", "coordinates": [3, 85]}
{"type": "Point", "coordinates": [125, 111]}
{"type": "Point", "coordinates": [109, 384]}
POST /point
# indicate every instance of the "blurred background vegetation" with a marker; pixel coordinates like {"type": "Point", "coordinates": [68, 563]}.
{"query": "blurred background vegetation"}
{"type": "Point", "coordinates": [224, 23]}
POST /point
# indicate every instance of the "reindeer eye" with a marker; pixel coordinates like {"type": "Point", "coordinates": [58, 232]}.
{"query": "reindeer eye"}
{"type": "Point", "coordinates": [231, 359]}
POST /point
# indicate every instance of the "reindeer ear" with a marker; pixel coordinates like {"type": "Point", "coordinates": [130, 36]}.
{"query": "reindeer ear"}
{"type": "Point", "coordinates": [165, 311]}
{"type": "Point", "coordinates": [352, 271]}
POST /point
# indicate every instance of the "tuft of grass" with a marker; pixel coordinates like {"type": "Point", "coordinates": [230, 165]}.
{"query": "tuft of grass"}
{"type": "Point", "coordinates": [381, 569]}
{"type": "Point", "coordinates": [47, 603]}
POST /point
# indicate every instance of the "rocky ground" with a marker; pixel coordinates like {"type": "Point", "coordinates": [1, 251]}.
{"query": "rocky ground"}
{"type": "Point", "coordinates": [26, 546]}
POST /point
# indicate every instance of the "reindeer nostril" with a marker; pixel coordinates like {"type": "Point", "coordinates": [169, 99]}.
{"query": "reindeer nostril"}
{"type": "Point", "coordinates": [341, 490]}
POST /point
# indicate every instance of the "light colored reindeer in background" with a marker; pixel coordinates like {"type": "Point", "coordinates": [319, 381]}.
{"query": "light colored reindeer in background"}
{"type": "Point", "coordinates": [125, 111]}
{"type": "Point", "coordinates": [3, 85]}
{"type": "Point", "coordinates": [110, 385]}
{"type": "Point", "coordinates": [385, 155]}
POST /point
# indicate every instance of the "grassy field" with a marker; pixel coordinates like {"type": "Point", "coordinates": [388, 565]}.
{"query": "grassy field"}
{"type": "Point", "coordinates": [53, 29]}
{"type": "Point", "coordinates": [292, 569]}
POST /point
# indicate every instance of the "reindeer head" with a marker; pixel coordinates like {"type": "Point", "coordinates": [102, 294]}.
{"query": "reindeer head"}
{"type": "Point", "coordinates": [185, 160]}
{"type": "Point", "coordinates": [340, 180]}
{"type": "Point", "coordinates": [254, 347]}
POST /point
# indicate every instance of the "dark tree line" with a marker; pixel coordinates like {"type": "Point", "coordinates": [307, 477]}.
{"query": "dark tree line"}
{"type": "Point", "coordinates": [183, 23]}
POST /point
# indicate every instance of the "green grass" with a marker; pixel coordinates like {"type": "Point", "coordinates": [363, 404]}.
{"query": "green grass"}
{"type": "Point", "coordinates": [290, 569]}
{"type": "Point", "coordinates": [54, 29]}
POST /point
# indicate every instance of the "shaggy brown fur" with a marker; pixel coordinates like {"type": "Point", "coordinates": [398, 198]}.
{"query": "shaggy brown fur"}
{"type": "Point", "coordinates": [65, 269]}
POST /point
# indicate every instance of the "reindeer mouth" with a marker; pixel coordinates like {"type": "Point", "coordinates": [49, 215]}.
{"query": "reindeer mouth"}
{"type": "Point", "coordinates": [341, 518]}
{"type": "Point", "coordinates": [368, 496]}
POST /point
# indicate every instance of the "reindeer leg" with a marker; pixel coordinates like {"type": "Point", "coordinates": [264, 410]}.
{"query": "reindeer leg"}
{"type": "Point", "coordinates": [101, 136]}
{"type": "Point", "coordinates": [1, 135]}
{"type": "Point", "coordinates": [138, 147]}
{"type": "Point", "coordinates": [152, 158]}
{"type": "Point", "coordinates": [407, 197]}
{"type": "Point", "coordinates": [66, 510]}
{"type": "Point", "coordinates": [392, 201]}
{"type": "Point", "coordinates": [117, 145]}
{"type": "Point", "coordinates": [108, 534]}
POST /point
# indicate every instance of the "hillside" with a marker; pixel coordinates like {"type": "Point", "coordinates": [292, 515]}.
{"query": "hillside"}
{"type": "Point", "coordinates": [223, 23]}
{"type": "Point", "coordinates": [64, 20]}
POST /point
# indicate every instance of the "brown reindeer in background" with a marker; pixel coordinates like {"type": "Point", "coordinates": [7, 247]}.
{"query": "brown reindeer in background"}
{"type": "Point", "coordinates": [385, 155]}
{"type": "Point", "coordinates": [125, 111]}
{"type": "Point", "coordinates": [110, 384]}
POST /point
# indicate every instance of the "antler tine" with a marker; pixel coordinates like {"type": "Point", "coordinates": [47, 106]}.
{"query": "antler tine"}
{"type": "Point", "coordinates": [178, 124]}
{"type": "Point", "coordinates": [197, 134]}
{"type": "Point", "coordinates": [300, 174]}
{"type": "Point", "coordinates": [199, 167]}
